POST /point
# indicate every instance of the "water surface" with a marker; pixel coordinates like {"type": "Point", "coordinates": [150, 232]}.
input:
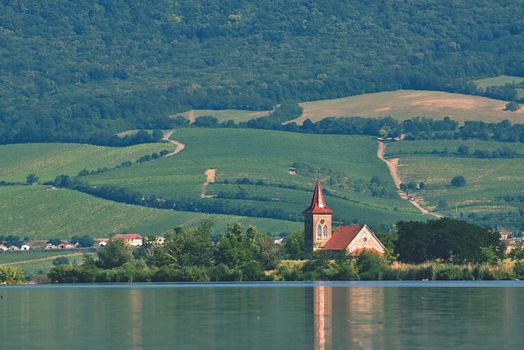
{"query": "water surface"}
{"type": "Point", "coordinates": [372, 315]}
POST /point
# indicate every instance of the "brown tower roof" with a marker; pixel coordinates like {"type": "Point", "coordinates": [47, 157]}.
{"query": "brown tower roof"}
{"type": "Point", "coordinates": [318, 203]}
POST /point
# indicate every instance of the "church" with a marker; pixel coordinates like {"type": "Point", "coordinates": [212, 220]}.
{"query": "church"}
{"type": "Point", "coordinates": [319, 234]}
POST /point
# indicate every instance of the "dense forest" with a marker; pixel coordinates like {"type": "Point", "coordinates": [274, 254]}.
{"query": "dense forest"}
{"type": "Point", "coordinates": [75, 68]}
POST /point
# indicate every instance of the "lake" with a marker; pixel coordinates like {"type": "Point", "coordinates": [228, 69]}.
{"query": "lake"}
{"type": "Point", "coordinates": [352, 315]}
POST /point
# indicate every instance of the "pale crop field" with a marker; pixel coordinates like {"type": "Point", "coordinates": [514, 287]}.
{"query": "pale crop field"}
{"type": "Point", "coordinates": [406, 104]}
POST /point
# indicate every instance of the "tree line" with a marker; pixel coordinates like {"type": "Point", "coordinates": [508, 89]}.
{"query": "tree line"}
{"type": "Point", "coordinates": [438, 250]}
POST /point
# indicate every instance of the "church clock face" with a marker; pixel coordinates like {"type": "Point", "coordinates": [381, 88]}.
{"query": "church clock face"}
{"type": "Point", "coordinates": [322, 221]}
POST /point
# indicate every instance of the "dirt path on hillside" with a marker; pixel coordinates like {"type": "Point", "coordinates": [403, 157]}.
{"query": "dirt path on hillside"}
{"type": "Point", "coordinates": [41, 259]}
{"type": "Point", "coordinates": [191, 116]}
{"type": "Point", "coordinates": [210, 178]}
{"type": "Point", "coordinates": [179, 146]}
{"type": "Point", "coordinates": [392, 165]}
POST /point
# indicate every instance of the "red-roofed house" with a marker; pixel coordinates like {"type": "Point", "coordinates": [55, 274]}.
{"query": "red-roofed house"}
{"type": "Point", "coordinates": [352, 239]}
{"type": "Point", "coordinates": [133, 239]}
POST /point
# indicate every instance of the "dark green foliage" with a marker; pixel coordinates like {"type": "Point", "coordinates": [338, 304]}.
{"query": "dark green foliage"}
{"type": "Point", "coordinates": [114, 65]}
{"type": "Point", "coordinates": [446, 239]}
{"type": "Point", "coordinates": [458, 181]}
{"type": "Point", "coordinates": [31, 179]}
{"type": "Point", "coordinates": [517, 252]}
{"type": "Point", "coordinates": [84, 241]}
{"type": "Point", "coordinates": [512, 106]}
{"type": "Point", "coordinates": [294, 246]}
{"type": "Point", "coordinates": [371, 266]}
{"type": "Point", "coordinates": [115, 254]}
{"type": "Point", "coordinates": [61, 260]}
{"type": "Point", "coordinates": [54, 241]}
{"type": "Point", "coordinates": [13, 240]}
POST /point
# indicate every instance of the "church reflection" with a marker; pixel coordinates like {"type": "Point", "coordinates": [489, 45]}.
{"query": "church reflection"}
{"type": "Point", "coordinates": [353, 317]}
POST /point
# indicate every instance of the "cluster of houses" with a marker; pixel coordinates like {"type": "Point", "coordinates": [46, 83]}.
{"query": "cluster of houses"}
{"type": "Point", "coordinates": [14, 248]}
{"type": "Point", "coordinates": [133, 239]}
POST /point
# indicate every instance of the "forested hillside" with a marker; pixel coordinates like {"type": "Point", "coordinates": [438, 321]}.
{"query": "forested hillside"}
{"type": "Point", "coordinates": [72, 68]}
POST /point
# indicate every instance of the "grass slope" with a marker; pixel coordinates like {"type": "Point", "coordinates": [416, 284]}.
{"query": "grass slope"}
{"type": "Point", "coordinates": [237, 115]}
{"type": "Point", "coordinates": [499, 80]}
{"type": "Point", "coordinates": [488, 180]}
{"type": "Point", "coordinates": [47, 160]}
{"type": "Point", "coordinates": [405, 104]}
{"type": "Point", "coordinates": [42, 213]}
{"type": "Point", "coordinates": [267, 155]}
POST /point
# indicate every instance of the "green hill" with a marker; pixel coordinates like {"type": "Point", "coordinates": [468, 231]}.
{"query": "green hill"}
{"type": "Point", "coordinates": [39, 212]}
{"type": "Point", "coordinates": [47, 160]}
{"type": "Point", "coordinates": [76, 68]}
{"type": "Point", "coordinates": [494, 190]}
{"type": "Point", "coordinates": [253, 173]}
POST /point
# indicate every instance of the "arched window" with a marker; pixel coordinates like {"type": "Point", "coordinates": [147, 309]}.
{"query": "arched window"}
{"type": "Point", "coordinates": [319, 232]}
{"type": "Point", "coordinates": [325, 232]}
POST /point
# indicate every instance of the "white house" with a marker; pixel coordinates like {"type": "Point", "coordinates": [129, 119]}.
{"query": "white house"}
{"type": "Point", "coordinates": [25, 247]}
{"type": "Point", "coordinates": [133, 239]}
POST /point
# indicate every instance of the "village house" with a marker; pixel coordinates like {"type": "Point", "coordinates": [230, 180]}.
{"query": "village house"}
{"type": "Point", "coordinates": [133, 239]}
{"type": "Point", "coordinates": [25, 247]}
{"type": "Point", "coordinates": [319, 234]}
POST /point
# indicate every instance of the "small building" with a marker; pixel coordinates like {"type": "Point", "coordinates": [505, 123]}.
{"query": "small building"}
{"type": "Point", "coordinates": [133, 239]}
{"type": "Point", "coordinates": [25, 247]}
{"type": "Point", "coordinates": [319, 235]}
{"type": "Point", "coordinates": [102, 244]}
{"type": "Point", "coordinates": [3, 248]}
{"type": "Point", "coordinates": [160, 240]}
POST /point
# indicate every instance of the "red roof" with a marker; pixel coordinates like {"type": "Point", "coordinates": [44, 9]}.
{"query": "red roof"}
{"type": "Point", "coordinates": [318, 203]}
{"type": "Point", "coordinates": [127, 236]}
{"type": "Point", "coordinates": [342, 237]}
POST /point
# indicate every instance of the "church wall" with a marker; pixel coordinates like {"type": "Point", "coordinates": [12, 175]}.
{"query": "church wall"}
{"type": "Point", "coordinates": [365, 240]}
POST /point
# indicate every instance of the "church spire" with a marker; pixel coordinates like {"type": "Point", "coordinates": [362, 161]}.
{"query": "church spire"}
{"type": "Point", "coordinates": [318, 203]}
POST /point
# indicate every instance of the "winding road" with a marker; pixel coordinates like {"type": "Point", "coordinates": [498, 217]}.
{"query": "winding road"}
{"type": "Point", "coordinates": [179, 146]}
{"type": "Point", "coordinates": [392, 165]}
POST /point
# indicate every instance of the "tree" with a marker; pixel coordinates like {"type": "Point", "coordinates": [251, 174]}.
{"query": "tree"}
{"type": "Point", "coordinates": [458, 181]}
{"type": "Point", "coordinates": [294, 246]}
{"type": "Point", "coordinates": [31, 179]}
{"type": "Point", "coordinates": [187, 247]}
{"type": "Point", "coordinates": [54, 241]}
{"type": "Point", "coordinates": [11, 275]}
{"type": "Point", "coordinates": [84, 241]}
{"type": "Point", "coordinates": [463, 150]}
{"type": "Point", "coordinates": [447, 239]}
{"type": "Point", "coordinates": [61, 260]}
{"type": "Point", "coordinates": [116, 253]}
{"type": "Point", "coordinates": [512, 106]}
{"type": "Point", "coordinates": [13, 240]}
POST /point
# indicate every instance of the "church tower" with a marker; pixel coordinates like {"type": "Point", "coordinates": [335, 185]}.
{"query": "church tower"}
{"type": "Point", "coordinates": [317, 222]}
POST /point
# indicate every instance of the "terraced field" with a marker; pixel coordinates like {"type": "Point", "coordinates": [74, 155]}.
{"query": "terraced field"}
{"type": "Point", "coordinates": [489, 181]}
{"type": "Point", "coordinates": [47, 160]}
{"type": "Point", "coordinates": [405, 104]}
{"type": "Point", "coordinates": [42, 213]}
{"type": "Point", "coordinates": [267, 156]}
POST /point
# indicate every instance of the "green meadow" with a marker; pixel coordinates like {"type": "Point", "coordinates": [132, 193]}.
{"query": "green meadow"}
{"type": "Point", "coordinates": [499, 80]}
{"type": "Point", "coordinates": [47, 160]}
{"type": "Point", "coordinates": [237, 115]}
{"type": "Point", "coordinates": [488, 180]}
{"type": "Point", "coordinates": [427, 147]}
{"type": "Point", "coordinates": [267, 156]}
{"type": "Point", "coordinates": [42, 213]}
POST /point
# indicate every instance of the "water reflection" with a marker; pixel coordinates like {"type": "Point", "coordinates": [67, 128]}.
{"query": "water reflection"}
{"type": "Point", "coordinates": [240, 317]}
{"type": "Point", "coordinates": [352, 316]}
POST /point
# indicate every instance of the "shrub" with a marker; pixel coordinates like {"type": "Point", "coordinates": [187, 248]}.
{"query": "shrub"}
{"type": "Point", "coordinates": [458, 181]}
{"type": "Point", "coordinates": [371, 266]}
{"type": "Point", "coordinates": [11, 275]}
